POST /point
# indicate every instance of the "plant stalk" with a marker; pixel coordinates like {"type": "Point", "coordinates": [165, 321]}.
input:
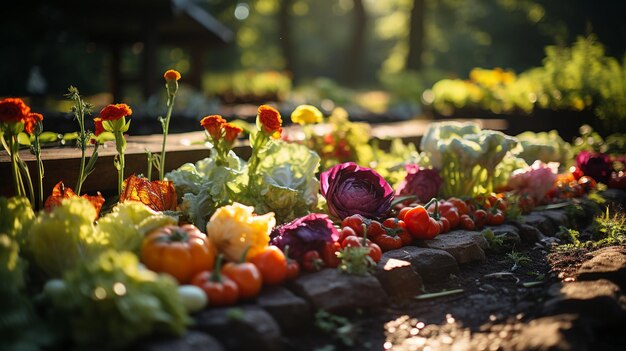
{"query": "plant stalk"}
{"type": "Point", "coordinates": [166, 127]}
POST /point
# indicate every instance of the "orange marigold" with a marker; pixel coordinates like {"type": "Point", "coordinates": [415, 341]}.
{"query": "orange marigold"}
{"type": "Point", "coordinates": [61, 192]}
{"type": "Point", "coordinates": [270, 120]}
{"type": "Point", "coordinates": [213, 124]}
{"type": "Point", "coordinates": [231, 132]}
{"type": "Point", "coordinates": [13, 110]}
{"type": "Point", "coordinates": [171, 74]}
{"type": "Point", "coordinates": [98, 125]}
{"type": "Point", "coordinates": [30, 122]}
{"type": "Point", "coordinates": [115, 112]}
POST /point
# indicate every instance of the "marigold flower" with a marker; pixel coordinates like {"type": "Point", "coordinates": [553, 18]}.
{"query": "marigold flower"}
{"type": "Point", "coordinates": [306, 114]}
{"type": "Point", "coordinates": [171, 74]}
{"type": "Point", "coordinates": [270, 120]}
{"type": "Point", "coordinates": [231, 132]}
{"type": "Point", "coordinates": [30, 122]}
{"type": "Point", "coordinates": [98, 124]}
{"type": "Point", "coordinates": [13, 110]}
{"type": "Point", "coordinates": [115, 112]}
{"type": "Point", "coordinates": [213, 124]}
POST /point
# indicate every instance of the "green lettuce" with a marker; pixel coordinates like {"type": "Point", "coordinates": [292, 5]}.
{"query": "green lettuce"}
{"type": "Point", "coordinates": [207, 185]}
{"type": "Point", "coordinates": [65, 236]}
{"type": "Point", "coordinates": [60, 239]}
{"type": "Point", "coordinates": [545, 147]}
{"type": "Point", "coordinates": [16, 217]}
{"type": "Point", "coordinates": [110, 302]}
{"type": "Point", "coordinates": [127, 224]}
{"type": "Point", "coordinates": [20, 327]}
{"type": "Point", "coordinates": [289, 187]}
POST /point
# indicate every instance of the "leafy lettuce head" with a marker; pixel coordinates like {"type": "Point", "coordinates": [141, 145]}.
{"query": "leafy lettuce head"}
{"type": "Point", "coordinates": [65, 236]}
{"type": "Point", "coordinates": [350, 189]}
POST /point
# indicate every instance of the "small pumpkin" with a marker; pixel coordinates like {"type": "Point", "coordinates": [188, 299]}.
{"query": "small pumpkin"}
{"type": "Point", "coordinates": [180, 251]}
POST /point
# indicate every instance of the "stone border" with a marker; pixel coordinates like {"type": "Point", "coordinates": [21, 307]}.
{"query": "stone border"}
{"type": "Point", "coordinates": [288, 310]}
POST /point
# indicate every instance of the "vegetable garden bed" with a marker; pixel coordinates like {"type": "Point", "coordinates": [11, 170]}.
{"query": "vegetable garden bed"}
{"type": "Point", "coordinates": [298, 234]}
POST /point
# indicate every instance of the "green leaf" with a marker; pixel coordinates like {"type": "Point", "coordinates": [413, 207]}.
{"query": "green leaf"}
{"type": "Point", "coordinates": [438, 294]}
{"type": "Point", "coordinates": [23, 139]}
{"type": "Point", "coordinates": [49, 137]}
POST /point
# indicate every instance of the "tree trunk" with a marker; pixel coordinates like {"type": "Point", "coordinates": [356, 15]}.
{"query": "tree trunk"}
{"type": "Point", "coordinates": [284, 32]}
{"type": "Point", "coordinates": [356, 54]}
{"type": "Point", "coordinates": [416, 36]}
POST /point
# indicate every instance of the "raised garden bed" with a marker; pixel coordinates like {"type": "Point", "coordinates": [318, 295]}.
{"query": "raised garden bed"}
{"type": "Point", "coordinates": [466, 269]}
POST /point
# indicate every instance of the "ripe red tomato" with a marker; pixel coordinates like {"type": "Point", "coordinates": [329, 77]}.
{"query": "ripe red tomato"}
{"type": "Point", "coordinates": [329, 254]}
{"type": "Point", "coordinates": [272, 264]}
{"type": "Point", "coordinates": [246, 276]}
{"type": "Point", "coordinates": [311, 261]}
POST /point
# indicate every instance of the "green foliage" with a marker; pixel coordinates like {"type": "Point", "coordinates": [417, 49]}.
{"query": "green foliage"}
{"type": "Point", "coordinates": [126, 225]}
{"type": "Point", "coordinates": [110, 302]}
{"type": "Point", "coordinates": [607, 229]}
{"type": "Point", "coordinates": [575, 78]}
{"type": "Point", "coordinates": [65, 236]}
{"type": "Point", "coordinates": [590, 140]}
{"type": "Point", "coordinates": [610, 227]}
{"type": "Point", "coordinates": [466, 156]}
{"type": "Point", "coordinates": [16, 217]}
{"type": "Point", "coordinates": [248, 85]}
{"type": "Point", "coordinates": [62, 238]}
{"type": "Point", "coordinates": [288, 186]}
{"type": "Point", "coordinates": [544, 146]}
{"type": "Point", "coordinates": [569, 235]}
{"type": "Point", "coordinates": [518, 259]}
{"type": "Point", "coordinates": [496, 242]}
{"type": "Point", "coordinates": [20, 328]}
{"type": "Point", "coordinates": [338, 327]}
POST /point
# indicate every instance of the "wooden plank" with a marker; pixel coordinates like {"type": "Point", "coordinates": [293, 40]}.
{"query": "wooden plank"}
{"type": "Point", "coordinates": [62, 163]}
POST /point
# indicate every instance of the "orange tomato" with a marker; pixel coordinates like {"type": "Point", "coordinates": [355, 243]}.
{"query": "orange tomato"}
{"type": "Point", "coordinates": [246, 276]}
{"type": "Point", "coordinates": [272, 264]}
{"type": "Point", "coordinates": [181, 252]}
{"type": "Point", "coordinates": [220, 290]}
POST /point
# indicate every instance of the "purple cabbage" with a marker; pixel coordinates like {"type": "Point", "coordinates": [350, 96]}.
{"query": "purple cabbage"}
{"type": "Point", "coordinates": [350, 189]}
{"type": "Point", "coordinates": [595, 165]}
{"type": "Point", "coordinates": [421, 182]}
{"type": "Point", "coordinates": [303, 234]}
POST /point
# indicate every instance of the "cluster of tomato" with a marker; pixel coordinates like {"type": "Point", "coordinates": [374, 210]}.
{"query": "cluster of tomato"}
{"type": "Point", "coordinates": [189, 256]}
{"type": "Point", "coordinates": [421, 223]}
{"type": "Point", "coordinates": [569, 185]}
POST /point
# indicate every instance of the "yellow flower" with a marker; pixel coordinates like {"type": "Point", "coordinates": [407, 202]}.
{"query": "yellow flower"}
{"type": "Point", "coordinates": [306, 114]}
{"type": "Point", "coordinates": [234, 228]}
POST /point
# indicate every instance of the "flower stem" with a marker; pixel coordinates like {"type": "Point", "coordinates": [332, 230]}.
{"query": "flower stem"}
{"type": "Point", "coordinates": [120, 144]}
{"type": "Point", "coordinates": [40, 169]}
{"type": "Point", "coordinates": [166, 126]}
{"type": "Point", "coordinates": [80, 117]}
{"type": "Point", "coordinates": [14, 170]}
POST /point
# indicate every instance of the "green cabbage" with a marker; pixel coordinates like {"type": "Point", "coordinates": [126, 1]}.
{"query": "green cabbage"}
{"type": "Point", "coordinates": [65, 236]}
{"type": "Point", "coordinates": [545, 147]}
{"type": "Point", "coordinates": [110, 302]}
{"type": "Point", "coordinates": [289, 187]}
{"type": "Point", "coordinates": [16, 217]}
{"type": "Point", "coordinates": [127, 224]}
{"type": "Point", "coordinates": [205, 186]}
{"type": "Point", "coordinates": [20, 327]}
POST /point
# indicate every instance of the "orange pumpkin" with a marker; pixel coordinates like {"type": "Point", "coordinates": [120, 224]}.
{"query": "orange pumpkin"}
{"type": "Point", "coordinates": [181, 251]}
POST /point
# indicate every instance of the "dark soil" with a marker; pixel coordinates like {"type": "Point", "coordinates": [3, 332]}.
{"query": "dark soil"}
{"type": "Point", "coordinates": [491, 310]}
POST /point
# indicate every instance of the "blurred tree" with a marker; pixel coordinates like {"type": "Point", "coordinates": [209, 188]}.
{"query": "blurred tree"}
{"type": "Point", "coordinates": [416, 35]}
{"type": "Point", "coordinates": [356, 46]}
{"type": "Point", "coordinates": [284, 29]}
